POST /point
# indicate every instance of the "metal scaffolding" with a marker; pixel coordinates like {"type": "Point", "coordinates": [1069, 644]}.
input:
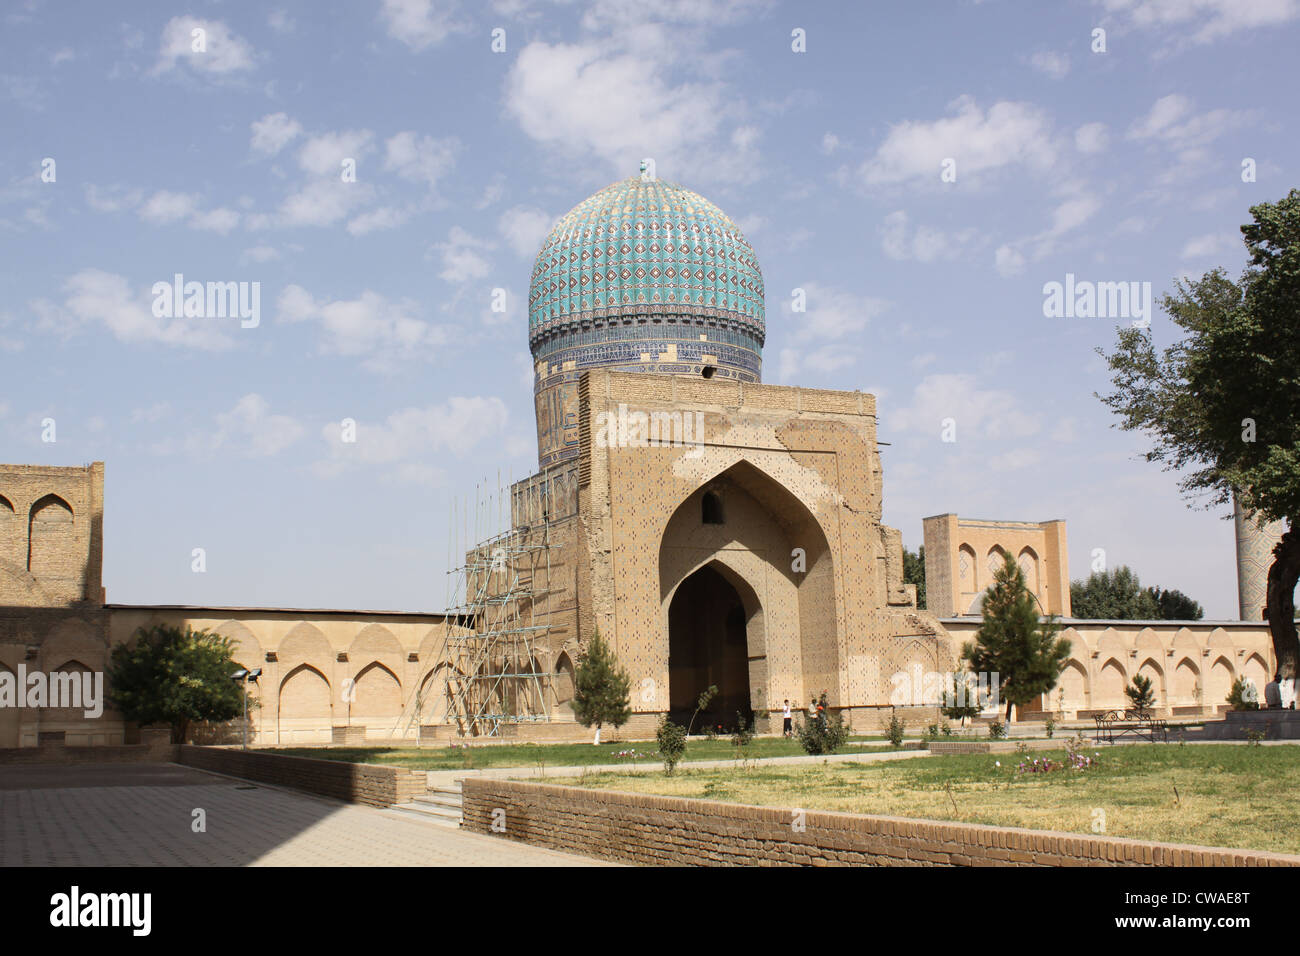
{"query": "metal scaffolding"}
{"type": "Point", "coordinates": [495, 656]}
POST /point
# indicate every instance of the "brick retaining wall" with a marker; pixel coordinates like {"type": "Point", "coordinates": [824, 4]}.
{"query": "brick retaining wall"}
{"type": "Point", "coordinates": [371, 784]}
{"type": "Point", "coordinates": [648, 829]}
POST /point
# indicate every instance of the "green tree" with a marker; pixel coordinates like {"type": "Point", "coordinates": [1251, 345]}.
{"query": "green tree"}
{"type": "Point", "coordinates": [1175, 605]}
{"type": "Point", "coordinates": [914, 573]}
{"type": "Point", "coordinates": [601, 691]}
{"type": "Point", "coordinates": [1115, 595]}
{"type": "Point", "coordinates": [1222, 405]}
{"type": "Point", "coordinates": [1013, 643]}
{"type": "Point", "coordinates": [175, 676]}
{"type": "Point", "coordinates": [1140, 694]}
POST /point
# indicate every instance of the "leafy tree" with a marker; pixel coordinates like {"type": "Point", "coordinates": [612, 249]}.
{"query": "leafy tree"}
{"type": "Point", "coordinates": [175, 676]}
{"type": "Point", "coordinates": [1175, 605]}
{"type": "Point", "coordinates": [1116, 595]}
{"type": "Point", "coordinates": [601, 692]}
{"type": "Point", "coordinates": [914, 573]}
{"type": "Point", "coordinates": [1140, 694]}
{"type": "Point", "coordinates": [1026, 655]}
{"type": "Point", "coordinates": [1223, 404]}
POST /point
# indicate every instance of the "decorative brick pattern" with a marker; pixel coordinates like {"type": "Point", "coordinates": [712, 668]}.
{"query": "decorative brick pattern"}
{"type": "Point", "coordinates": [654, 830]}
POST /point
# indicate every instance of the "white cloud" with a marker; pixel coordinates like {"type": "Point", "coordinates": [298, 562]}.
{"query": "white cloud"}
{"type": "Point", "coordinates": [407, 436]}
{"type": "Point", "coordinates": [260, 254]}
{"type": "Point", "coordinates": [1091, 138]}
{"type": "Point", "coordinates": [1055, 65]}
{"type": "Point", "coordinates": [248, 430]}
{"type": "Point", "coordinates": [925, 244]}
{"type": "Point", "coordinates": [95, 297]}
{"type": "Point", "coordinates": [794, 364]}
{"type": "Point", "coordinates": [525, 228]}
{"type": "Point", "coordinates": [979, 413]}
{"type": "Point", "coordinates": [1210, 245]}
{"type": "Point", "coordinates": [831, 313]}
{"type": "Point", "coordinates": [165, 207]}
{"type": "Point", "coordinates": [322, 202]}
{"type": "Point", "coordinates": [385, 217]}
{"type": "Point", "coordinates": [382, 332]}
{"type": "Point", "coordinates": [830, 143]}
{"type": "Point", "coordinates": [419, 23]}
{"type": "Point", "coordinates": [1171, 121]}
{"type": "Point", "coordinates": [461, 258]}
{"type": "Point", "coordinates": [420, 159]}
{"type": "Point", "coordinates": [112, 198]}
{"type": "Point", "coordinates": [323, 155]}
{"type": "Point", "coordinates": [215, 220]}
{"type": "Point", "coordinates": [1207, 20]}
{"type": "Point", "coordinates": [223, 52]}
{"type": "Point", "coordinates": [1008, 261]}
{"type": "Point", "coordinates": [1009, 134]}
{"type": "Point", "coordinates": [273, 132]}
{"type": "Point", "coordinates": [563, 94]}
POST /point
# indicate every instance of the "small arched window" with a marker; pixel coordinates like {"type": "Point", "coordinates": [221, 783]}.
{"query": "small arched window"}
{"type": "Point", "coordinates": [711, 508]}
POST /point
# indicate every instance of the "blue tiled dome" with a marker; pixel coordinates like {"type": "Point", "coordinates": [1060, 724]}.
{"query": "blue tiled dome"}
{"type": "Point", "coordinates": [645, 251]}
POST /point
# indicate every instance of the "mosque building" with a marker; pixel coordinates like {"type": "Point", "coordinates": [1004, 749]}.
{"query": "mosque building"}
{"type": "Point", "coordinates": [716, 531]}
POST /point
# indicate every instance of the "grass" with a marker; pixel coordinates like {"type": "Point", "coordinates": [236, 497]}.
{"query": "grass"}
{"type": "Point", "coordinates": [554, 755]}
{"type": "Point", "coordinates": [1213, 795]}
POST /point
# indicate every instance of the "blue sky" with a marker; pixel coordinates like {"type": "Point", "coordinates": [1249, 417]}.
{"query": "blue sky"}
{"type": "Point", "coordinates": [224, 165]}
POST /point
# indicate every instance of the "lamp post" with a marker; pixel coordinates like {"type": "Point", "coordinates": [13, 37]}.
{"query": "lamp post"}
{"type": "Point", "coordinates": [243, 675]}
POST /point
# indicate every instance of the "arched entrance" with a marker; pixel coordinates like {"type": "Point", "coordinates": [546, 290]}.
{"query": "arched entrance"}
{"type": "Point", "coordinates": [707, 645]}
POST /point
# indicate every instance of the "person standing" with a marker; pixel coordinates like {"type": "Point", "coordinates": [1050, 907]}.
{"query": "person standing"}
{"type": "Point", "coordinates": [787, 719]}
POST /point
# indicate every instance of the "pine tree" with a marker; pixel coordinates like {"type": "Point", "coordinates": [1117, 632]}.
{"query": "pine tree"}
{"type": "Point", "coordinates": [602, 689]}
{"type": "Point", "coordinates": [1141, 695]}
{"type": "Point", "coordinates": [1025, 653]}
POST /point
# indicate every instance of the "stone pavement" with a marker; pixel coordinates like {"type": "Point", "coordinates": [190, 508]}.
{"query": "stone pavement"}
{"type": "Point", "coordinates": [141, 815]}
{"type": "Point", "coordinates": [443, 778]}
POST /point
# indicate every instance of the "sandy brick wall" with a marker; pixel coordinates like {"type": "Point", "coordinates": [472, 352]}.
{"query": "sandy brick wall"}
{"type": "Point", "coordinates": [370, 784]}
{"type": "Point", "coordinates": [645, 829]}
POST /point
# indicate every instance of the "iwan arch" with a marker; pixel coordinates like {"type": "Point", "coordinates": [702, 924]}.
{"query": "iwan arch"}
{"type": "Point", "coordinates": [751, 556]}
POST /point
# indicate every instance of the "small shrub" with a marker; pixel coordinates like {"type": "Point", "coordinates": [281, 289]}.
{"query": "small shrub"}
{"type": "Point", "coordinates": [895, 729]}
{"type": "Point", "coordinates": [997, 730]}
{"type": "Point", "coordinates": [1243, 695]}
{"type": "Point", "coordinates": [672, 743]}
{"type": "Point", "coordinates": [1051, 726]}
{"type": "Point", "coordinates": [743, 737]}
{"type": "Point", "coordinates": [823, 735]}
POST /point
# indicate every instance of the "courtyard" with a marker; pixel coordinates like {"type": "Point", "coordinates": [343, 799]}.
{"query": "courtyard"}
{"type": "Point", "coordinates": [145, 815]}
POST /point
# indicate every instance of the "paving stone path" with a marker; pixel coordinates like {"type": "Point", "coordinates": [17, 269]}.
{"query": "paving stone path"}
{"type": "Point", "coordinates": [143, 815]}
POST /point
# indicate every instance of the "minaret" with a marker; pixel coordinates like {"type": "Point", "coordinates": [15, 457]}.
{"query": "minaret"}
{"type": "Point", "coordinates": [1254, 557]}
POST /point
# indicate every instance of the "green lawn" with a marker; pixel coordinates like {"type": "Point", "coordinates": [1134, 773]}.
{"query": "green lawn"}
{"type": "Point", "coordinates": [553, 755]}
{"type": "Point", "coordinates": [1230, 796]}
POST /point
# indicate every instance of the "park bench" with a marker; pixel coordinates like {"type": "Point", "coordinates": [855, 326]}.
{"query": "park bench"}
{"type": "Point", "coordinates": [1133, 723]}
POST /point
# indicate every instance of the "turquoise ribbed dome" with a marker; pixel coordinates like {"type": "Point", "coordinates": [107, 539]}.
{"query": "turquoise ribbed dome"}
{"type": "Point", "coordinates": [644, 253]}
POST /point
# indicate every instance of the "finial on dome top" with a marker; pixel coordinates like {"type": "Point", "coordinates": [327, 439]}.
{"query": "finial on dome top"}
{"type": "Point", "coordinates": [647, 170]}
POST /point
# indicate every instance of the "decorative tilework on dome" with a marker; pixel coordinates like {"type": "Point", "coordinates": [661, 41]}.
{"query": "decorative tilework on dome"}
{"type": "Point", "coordinates": [644, 247]}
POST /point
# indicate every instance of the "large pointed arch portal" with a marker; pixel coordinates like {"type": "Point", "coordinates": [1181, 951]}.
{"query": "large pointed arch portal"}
{"type": "Point", "coordinates": [747, 585]}
{"type": "Point", "coordinates": [707, 646]}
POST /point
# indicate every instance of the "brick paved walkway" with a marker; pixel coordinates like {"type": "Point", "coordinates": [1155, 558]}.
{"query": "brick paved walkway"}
{"type": "Point", "coordinates": [141, 814]}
